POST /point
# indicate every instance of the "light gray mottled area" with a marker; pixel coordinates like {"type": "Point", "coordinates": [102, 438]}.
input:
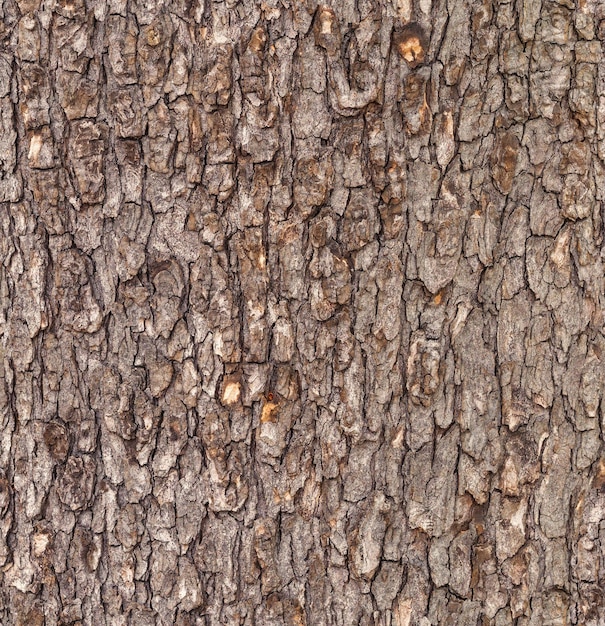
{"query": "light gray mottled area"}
{"type": "Point", "coordinates": [302, 312]}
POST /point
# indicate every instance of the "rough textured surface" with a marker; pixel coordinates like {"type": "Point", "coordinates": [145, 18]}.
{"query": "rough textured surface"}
{"type": "Point", "coordinates": [302, 312]}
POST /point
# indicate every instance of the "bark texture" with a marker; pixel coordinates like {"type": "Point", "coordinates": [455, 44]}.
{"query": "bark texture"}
{"type": "Point", "coordinates": [302, 312]}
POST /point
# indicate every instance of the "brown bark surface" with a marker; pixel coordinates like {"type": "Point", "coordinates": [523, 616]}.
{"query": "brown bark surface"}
{"type": "Point", "coordinates": [302, 312]}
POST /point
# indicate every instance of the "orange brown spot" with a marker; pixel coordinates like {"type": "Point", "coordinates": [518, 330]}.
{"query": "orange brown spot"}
{"type": "Point", "coordinates": [411, 44]}
{"type": "Point", "coordinates": [411, 50]}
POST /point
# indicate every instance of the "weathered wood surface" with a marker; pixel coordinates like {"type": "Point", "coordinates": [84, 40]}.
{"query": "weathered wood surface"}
{"type": "Point", "coordinates": [302, 312]}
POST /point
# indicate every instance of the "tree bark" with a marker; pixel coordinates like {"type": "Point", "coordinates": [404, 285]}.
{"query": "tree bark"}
{"type": "Point", "coordinates": [302, 312]}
